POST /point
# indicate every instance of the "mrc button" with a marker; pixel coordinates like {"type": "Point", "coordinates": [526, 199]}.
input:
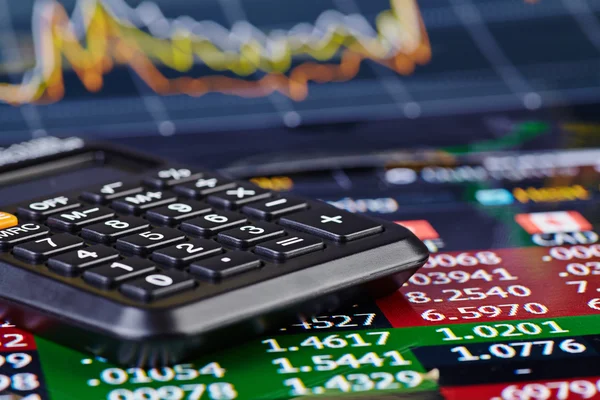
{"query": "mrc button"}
{"type": "Point", "coordinates": [42, 208]}
{"type": "Point", "coordinates": [22, 233]}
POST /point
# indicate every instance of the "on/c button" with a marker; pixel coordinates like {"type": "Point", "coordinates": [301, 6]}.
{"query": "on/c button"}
{"type": "Point", "coordinates": [7, 220]}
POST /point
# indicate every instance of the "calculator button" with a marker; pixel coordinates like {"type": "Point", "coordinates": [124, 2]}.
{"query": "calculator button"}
{"type": "Point", "coordinates": [110, 275]}
{"type": "Point", "coordinates": [333, 224]}
{"type": "Point", "coordinates": [22, 233]}
{"type": "Point", "coordinates": [274, 208]}
{"type": "Point", "coordinates": [238, 196]}
{"type": "Point", "coordinates": [289, 246]}
{"type": "Point", "coordinates": [158, 285]}
{"type": "Point", "coordinates": [43, 208]}
{"type": "Point", "coordinates": [75, 219]}
{"type": "Point", "coordinates": [184, 253]}
{"type": "Point", "coordinates": [171, 176]}
{"type": "Point", "coordinates": [111, 230]}
{"type": "Point", "coordinates": [204, 186]}
{"type": "Point", "coordinates": [41, 249]}
{"type": "Point", "coordinates": [137, 203]}
{"type": "Point", "coordinates": [7, 220]}
{"type": "Point", "coordinates": [110, 191]}
{"type": "Point", "coordinates": [75, 261]}
{"type": "Point", "coordinates": [144, 242]}
{"type": "Point", "coordinates": [225, 265]}
{"type": "Point", "coordinates": [174, 213]}
{"type": "Point", "coordinates": [249, 235]}
{"type": "Point", "coordinates": [212, 223]}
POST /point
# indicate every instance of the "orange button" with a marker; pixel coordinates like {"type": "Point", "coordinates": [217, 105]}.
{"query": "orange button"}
{"type": "Point", "coordinates": [7, 220]}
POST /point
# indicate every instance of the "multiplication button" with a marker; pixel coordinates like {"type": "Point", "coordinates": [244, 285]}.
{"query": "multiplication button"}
{"type": "Point", "coordinates": [238, 196]}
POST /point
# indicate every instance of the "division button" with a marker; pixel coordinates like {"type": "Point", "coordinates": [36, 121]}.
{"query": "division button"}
{"type": "Point", "coordinates": [22, 233]}
{"type": "Point", "coordinates": [330, 223]}
{"type": "Point", "coordinates": [174, 213]}
{"type": "Point", "coordinates": [145, 242]}
{"type": "Point", "coordinates": [203, 186]}
{"type": "Point", "coordinates": [43, 208]}
{"type": "Point", "coordinates": [248, 235]}
{"type": "Point", "coordinates": [116, 272]}
{"type": "Point", "coordinates": [111, 230]}
{"type": "Point", "coordinates": [289, 246]}
{"type": "Point", "coordinates": [110, 191]}
{"type": "Point", "coordinates": [212, 223]}
{"type": "Point", "coordinates": [184, 253]}
{"type": "Point", "coordinates": [74, 220]}
{"type": "Point", "coordinates": [40, 249]}
{"type": "Point", "coordinates": [225, 265]}
{"type": "Point", "coordinates": [238, 196]}
{"type": "Point", "coordinates": [137, 203]}
{"type": "Point", "coordinates": [7, 220]}
{"type": "Point", "coordinates": [274, 208]}
{"type": "Point", "coordinates": [75, 261]}
{"type": "Point", "coordinates": [171, 176]}
{"type": "Point", "coordinates": [158, 285]}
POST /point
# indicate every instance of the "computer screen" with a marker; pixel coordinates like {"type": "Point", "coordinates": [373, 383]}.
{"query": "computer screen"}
{"type": "Point", "coordinates": [474, 123]}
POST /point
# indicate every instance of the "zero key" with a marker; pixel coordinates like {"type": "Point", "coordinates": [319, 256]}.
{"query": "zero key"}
{"type": "Point", "coordinates": [330, 223]}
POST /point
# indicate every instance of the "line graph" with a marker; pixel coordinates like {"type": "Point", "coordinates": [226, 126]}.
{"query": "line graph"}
{"type": "Point", "coordinates": [102, 34]}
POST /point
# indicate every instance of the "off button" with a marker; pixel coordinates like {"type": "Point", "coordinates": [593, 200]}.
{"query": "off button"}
{"type": "Point", "coordinates": [7, 220]}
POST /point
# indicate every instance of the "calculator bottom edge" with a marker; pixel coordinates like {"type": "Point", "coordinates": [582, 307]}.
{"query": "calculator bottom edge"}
{"type": "Point", "coordinates": [180, 334]}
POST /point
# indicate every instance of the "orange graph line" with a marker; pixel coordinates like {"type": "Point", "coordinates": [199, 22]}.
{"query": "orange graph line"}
{"type": "Point", "coordinates": [107, 46]}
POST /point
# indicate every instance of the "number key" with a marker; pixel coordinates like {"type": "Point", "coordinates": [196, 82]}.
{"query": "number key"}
{"type": "Point", "coordinates": [158, 285]}
{"type": "Point", "coordinates": [249, 235]}
{"type": "Point", "coordinates": [144, 242]}
{"type": "Point", "coordinates": [41, 249]}
{"type": "Point", "coordinates": [111, 230]}
{"type": "Point", "coordinates": [75, 261]}
{"type": "Point", "coordinates": [184, 253]}
{"type": "Point", "coordinates": [213, 223]}
{"type": "Point", "coordinates": [110, 275]}
{"type": "Point", "coordinates": [174, 213]}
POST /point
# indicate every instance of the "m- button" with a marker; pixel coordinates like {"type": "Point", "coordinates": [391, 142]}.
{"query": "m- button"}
{"type": "Point", "coordinates": [333, 224]}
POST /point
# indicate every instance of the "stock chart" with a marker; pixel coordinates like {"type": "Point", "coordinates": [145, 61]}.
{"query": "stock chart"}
{"type": "Point", "coordinates": [110, 68]}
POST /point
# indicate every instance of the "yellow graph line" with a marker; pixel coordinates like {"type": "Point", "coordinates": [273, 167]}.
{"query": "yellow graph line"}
{"type": "Point", "coordinates": [400, 43]}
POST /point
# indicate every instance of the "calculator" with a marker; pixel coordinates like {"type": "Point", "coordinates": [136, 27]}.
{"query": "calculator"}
{"type": "Point", "coordinates": [147, 262]}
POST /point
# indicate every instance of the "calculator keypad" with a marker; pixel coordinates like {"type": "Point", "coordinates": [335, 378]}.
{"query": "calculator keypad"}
{"type": "Point", "coordinates": [184, 253]}
{"type": "Point", "coordinates": [137, 203]}
{"type": "Point", "coordinates": [76, 261]}
{"type": "Point", "coordinates": [174, 213]}
{"type": "Point", "coordinates": [190, 230]}
{"type": "Point", "coordinates": [41, 249]}
{"type": "Point", "coordinates": [157, 285]}
{"type": "Point", "coordinates": [10, 237]}
{"type": "Point", "coordinates": [248, 235]}
{"type": "Point", "coordinates": [74, 220]}
{"type": "Point", "coordinates": [40, 209]}
{"type": "Point", "coordinates": [111, 191]}
{"type": "Point", "coordinates": [110, 275]}
{"type": "Point", "coordinates": [145, 242]}
{"type": "Point", "coordinates": [237, 196]}
{"type": "Point", "coordinates": [112, 229]}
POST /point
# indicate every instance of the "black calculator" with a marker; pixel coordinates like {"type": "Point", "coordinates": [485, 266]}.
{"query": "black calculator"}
{"type": "Point", "coordinates": [147, 262]}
